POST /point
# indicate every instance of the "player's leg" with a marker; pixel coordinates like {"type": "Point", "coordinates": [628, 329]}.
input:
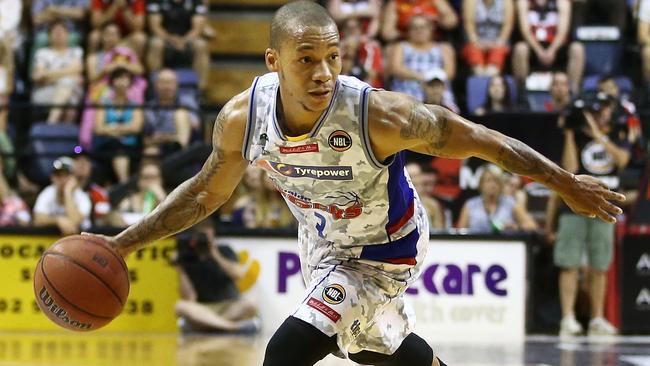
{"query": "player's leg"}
{"type": "Point", "coordinates": [298, 343]}
{"type": "Point", "coordinates": [413, 351]}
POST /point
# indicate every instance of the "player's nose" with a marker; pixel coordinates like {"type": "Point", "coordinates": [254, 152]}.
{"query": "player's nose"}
{"type": "Point", "coordinates": [322, 72]}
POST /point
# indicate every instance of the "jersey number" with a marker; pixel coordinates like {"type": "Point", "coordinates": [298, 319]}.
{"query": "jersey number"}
{"type": "Point", "coordinates": [321, 225]}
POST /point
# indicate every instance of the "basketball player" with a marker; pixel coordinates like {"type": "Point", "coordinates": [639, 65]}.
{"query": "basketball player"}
{"type": "Point", "coordinates": [333, 146]}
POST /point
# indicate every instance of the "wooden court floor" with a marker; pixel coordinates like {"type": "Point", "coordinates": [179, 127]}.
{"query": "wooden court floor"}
{"type": "Point", "coordinates": [47, 349]}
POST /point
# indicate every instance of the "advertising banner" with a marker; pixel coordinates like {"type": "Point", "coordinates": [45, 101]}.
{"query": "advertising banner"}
{"type": "Point", "coordinates": [635, 267]}
{"type": "Point", "coordinates": [149, 308]}
{"type": "Point", "coordinates": [467, 288]}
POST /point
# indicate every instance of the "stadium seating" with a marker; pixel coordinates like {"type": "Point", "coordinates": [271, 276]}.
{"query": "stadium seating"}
{"type": "Point", "coordinates": [48, 142]}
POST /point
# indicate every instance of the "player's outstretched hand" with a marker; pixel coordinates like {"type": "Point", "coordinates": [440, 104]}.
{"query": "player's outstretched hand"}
{"type": "Point", "coordinates": [590, 197]}
{"type": "Point", "coordinates": [110, 240]}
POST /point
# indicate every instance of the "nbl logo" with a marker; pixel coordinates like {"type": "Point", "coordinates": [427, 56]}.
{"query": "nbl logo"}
{"type": "Point", "coordinates": [334, 294]}
{"type": "Point", "coordinates": [340, 140]}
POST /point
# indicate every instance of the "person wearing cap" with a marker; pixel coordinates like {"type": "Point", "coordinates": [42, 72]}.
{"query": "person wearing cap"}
{"type": "Point", "coordinates": [436, 91]}
{"type": "Point", "coordinates": [410, 60]}
{"type": "Point", "coordinates": [591, 147]}
{"type": "Point", "coordinates": [62, 203]}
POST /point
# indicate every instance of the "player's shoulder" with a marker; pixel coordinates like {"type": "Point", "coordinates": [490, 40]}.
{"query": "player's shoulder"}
{"type": "Point", "coordinates": [235, 111]}
{"type": "Point", "coordinates": [388, 110]}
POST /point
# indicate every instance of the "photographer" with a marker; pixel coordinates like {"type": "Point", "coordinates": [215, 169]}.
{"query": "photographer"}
{"type": "Point", "coordinates": [592, 145]}
{"type": "Point", "coordinates": [210, 300]}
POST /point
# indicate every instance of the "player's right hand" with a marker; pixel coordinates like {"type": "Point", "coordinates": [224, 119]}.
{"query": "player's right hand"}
{"type": "Point", "coordinates": [590, 197]}
{"type": "Point", "coordinates": [111, 241]}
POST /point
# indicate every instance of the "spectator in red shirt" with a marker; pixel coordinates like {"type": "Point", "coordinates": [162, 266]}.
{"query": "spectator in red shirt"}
{"type": "Point", "coordinates": [398, 14]}
{"type": "Point", "coordinates": [544, 25]}
{"type": "Point", "coordinates": [129, 15]}
{"type": "Point", "coordinates": [362, 57]}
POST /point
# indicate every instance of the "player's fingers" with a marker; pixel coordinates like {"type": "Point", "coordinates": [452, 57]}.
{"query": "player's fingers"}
{"type": "Point", "coordinates": [611, 208]}
{"type": "Point", "coordinates": [605, 216]}
{"type": "Point", "coordinates": [614, 196]}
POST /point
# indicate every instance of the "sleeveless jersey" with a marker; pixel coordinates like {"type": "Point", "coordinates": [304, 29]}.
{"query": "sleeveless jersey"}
{"type": "Point", "coordinates": [347, 203]}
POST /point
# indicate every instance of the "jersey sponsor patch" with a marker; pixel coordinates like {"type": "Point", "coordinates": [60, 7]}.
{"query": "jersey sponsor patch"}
{"type": "Point", "coordinates": [334, 294]}
{"type": "Point", "coordinates": [340, 140]}
{"type": "Point", "coordinates": [324, 309]}
{"type": "Point", "coordinates": [306, 171]}
{"type": "Point", "coordinates": [299, 149]}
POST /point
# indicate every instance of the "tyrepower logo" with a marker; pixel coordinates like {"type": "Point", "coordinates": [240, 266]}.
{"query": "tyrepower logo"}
{"type": "Point", "coordinates": [305, 171]}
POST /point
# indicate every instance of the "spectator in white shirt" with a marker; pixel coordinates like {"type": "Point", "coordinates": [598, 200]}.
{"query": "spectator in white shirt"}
{"type": "Point", "coordinates": [10, 13]}
{"type": "Point", "coordinates": [63, 203]}
{"type": "Point", "coordinates": [57, 73]}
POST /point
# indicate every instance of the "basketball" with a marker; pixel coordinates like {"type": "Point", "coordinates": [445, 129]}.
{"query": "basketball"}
{"type": "Point", "coordinates": [81, 283]}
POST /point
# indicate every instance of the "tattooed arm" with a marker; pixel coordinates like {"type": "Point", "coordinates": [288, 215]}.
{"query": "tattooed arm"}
{"type": "Point", "coordinates": [202, 194]}
{"type": "Point", "coordinates": [397, 122]}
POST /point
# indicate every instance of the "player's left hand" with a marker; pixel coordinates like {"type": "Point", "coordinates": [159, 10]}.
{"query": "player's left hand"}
{"type": "Point", "coordinates": [590, 197]}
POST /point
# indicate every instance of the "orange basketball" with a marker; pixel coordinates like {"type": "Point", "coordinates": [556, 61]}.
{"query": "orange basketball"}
{"type": "Point", "coordinates": [81, 283]}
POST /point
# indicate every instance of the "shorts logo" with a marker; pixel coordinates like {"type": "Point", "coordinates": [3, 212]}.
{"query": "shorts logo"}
{"type": "Point", "coordinates": [324, 309]}
{"type": "Point", "coordinates": [305, 171]}
{"type": "Point", "coordinates": [299, 149]}
{"type": "Point", "coordinates": [355, 328]}
{"type": "Point", "coordinates": [334, 294]}
{"type": "Point", "coordinates": [340, 140]}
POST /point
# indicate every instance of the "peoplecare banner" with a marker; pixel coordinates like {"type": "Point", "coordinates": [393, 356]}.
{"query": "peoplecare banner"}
{"type": "Point", "coordinates": [467, 288]}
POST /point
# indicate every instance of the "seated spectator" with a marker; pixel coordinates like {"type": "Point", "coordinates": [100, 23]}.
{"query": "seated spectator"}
{"type": "Point", "coordinates": [492, 211]}
{"type": "Point", "coordinates": [361, 57]}
{"type": "Point", "coordinates": [149, 194]}
{"type": "Point", "coordinates": [365, 12]}
{"type": "Point", "coordinates": [399, 13]}
{"type": "Point", "coordinates": [424, 187]}
{"type": "Point", "coordinates": [83, 172]}
{"type": "Point", "coordinates": [544, 26]}
{"type": "Point", "coordinates": [488, 26]}
{"type": "Point", "coordinates": [62, 203]}
{"type": "Point", "coordinates": [168, 125]}
{"type": "Point", "coordinates": [436, 91]}
{"type": "Point", "coordinates": [412, 60]}
{"type": "Point", "coordinates": [208, 275]}
{"type": "Point", "coordinates": [110, 57]}
{"type": "Point", "coordinates": [128, 15]}
{"type": "Point", "coordinates": [57, 74]}
{"type": "Point", "coordinates": [119, 125]}
{"type": "Point", "coordinates": [13, 210]}
{"type": "Point", "coordinates": [513, 187]}
{"type": "Point", "coordinates": [560, 93]}
{"type": "Point", "coordinates": [497, 98]}
{"type": "Point", "coordinates": [72, 13]}
{"type": "Point", "coordinates": [643, 36]}
{"type": "Point", "coordinates": [264, 206]}
{"type": "Point", "coordinates": [176, 27]}
{"type": "Point", "coordinates": [11, 13]}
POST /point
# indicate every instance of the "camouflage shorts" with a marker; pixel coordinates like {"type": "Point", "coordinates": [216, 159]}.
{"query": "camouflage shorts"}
{"type": "Point", "coordinates": [364, 305]}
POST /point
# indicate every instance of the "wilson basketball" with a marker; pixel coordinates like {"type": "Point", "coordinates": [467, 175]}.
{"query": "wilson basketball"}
{"type": "Point", "coordinates": [81, 283]}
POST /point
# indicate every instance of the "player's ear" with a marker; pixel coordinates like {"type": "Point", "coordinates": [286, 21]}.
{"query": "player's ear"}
{"type": "Point", "coordinates": [271, 58]}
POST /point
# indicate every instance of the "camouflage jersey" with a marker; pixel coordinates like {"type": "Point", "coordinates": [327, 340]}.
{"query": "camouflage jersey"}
{"type": "Point", "coordinates": [348, 204]}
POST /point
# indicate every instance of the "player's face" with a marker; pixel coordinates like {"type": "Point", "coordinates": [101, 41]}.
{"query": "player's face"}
{"type": "Point", "coordinates": [308, 65]}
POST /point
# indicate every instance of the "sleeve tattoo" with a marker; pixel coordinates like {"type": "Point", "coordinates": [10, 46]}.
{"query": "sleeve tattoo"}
{"type": "Point", "coordinates": [428, 123]}
{"type": "Point", "coordinates": [184, 207]}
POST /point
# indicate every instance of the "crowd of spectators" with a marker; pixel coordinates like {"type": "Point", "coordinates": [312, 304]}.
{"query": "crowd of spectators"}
{"type": "Point", "coordinates": [112, 67]}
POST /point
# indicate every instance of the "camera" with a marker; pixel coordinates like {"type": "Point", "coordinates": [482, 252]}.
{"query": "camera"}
{"type": "Point", "coordinates": [591, 102]}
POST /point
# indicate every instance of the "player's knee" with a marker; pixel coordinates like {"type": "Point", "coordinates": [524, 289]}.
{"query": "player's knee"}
{"type": "Point", "coordinates": [297, 343]}
{"type": "Point", "coordinates": [413, 351]}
